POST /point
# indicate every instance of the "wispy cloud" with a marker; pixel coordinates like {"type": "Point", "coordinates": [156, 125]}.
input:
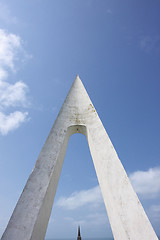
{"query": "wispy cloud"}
{"type": "Point", "coordinates": [89, 219]}
{"type": "Point", "coordinates": [109, 11]}
{"type": "Point", "coordinates": [76, 221]}
{"type": "Point", "coordinates": [101, 218]}
{"type": "Point", "coordinates": [154, 212]}
{"type": "Point", "coordinates": [79, 199]}
{"type": "Point", "coordinates": [5, 14]}
{"type": "Point", "coordinates": [11, 94]}
{"type": "Point", "coordinates": [150, 43]}
{"type": "Point", "coordinates": [147, 183]}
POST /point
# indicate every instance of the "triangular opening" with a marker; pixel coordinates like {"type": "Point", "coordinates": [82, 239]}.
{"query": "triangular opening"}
{"type": "Point", "coordinates": [78, 198]}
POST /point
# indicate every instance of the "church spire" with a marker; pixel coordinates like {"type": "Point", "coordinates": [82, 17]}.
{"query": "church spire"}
{"type": "Point", "coordinates": [79, 234]}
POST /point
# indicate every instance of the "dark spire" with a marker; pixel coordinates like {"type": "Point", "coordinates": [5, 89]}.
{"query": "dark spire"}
{"type": "Point", "coordinates": [79, 234]}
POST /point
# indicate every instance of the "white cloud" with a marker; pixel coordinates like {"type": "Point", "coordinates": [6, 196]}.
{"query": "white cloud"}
{"type": "Point", "coordinates": [11, 94]}
{"type": "Point", "coordinates": [146, 183]}
{"type": "Point", "coordinates": [78, 199]}
{"type": "Point", "coordinates": [12, 121]}
{"type": "Point", "coordinates": [10, 44]}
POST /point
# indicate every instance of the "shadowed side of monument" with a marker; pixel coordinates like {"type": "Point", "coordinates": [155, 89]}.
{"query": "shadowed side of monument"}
{"type": "Point", "coordinates": [126, 215]}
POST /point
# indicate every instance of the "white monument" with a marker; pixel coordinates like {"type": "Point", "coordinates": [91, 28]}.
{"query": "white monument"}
{"type": "Point", "coordinates": [126, 215]}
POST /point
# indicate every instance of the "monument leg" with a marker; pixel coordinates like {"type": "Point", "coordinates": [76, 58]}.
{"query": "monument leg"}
{"type": "Point", "coordinates": [126, 214]}
{"type": "Point", "coordinates": [30, 218]}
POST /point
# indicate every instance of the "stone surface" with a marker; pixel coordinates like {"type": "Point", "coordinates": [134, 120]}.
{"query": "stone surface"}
{"type": "Point", "coordinates": [126, 215]}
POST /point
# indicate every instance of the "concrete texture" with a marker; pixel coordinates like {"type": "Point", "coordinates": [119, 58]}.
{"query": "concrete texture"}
{"type": "Point", "coordinates": [126, 215]}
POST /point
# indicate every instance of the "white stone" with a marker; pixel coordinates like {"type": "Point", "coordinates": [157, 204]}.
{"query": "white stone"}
{"type": "Point", "coordinates": [126, 215]}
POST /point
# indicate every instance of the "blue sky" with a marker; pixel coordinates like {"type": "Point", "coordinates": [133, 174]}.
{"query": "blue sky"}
{"type": "Point", "coordinates": [114, 46]}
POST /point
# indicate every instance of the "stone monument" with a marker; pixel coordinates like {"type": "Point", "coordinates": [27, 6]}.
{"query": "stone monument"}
{"type": "Point", "coordinates": [126, 215]}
